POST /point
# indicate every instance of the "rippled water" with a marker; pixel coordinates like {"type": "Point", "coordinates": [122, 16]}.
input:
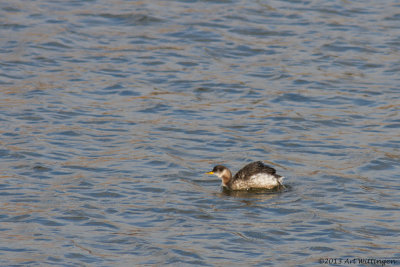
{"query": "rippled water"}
{"type": "Point", "coordinates": [111, 112]}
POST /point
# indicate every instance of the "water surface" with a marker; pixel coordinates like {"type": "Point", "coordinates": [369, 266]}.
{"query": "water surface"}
{"type": "Point", "coordinates": [112, 111]}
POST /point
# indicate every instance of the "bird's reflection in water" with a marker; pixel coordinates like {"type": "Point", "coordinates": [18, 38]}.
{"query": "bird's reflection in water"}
{"type": "Point", "coordinates": [256, 193]}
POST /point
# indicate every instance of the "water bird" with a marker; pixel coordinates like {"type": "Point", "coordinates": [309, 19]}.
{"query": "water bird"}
{"type": "Point", "coordinates": [255, 175]}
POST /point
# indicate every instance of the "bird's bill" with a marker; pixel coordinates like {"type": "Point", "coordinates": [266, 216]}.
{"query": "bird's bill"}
{"type": "Point", "coordinates": [209, 172]}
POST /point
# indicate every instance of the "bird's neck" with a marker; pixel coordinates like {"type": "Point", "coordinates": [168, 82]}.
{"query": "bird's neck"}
{"type": "Point", "coordinates": [226, 177]}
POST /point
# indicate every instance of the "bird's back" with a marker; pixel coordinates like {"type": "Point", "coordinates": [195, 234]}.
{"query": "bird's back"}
{"type": "Point", "coordinates": [252, 169]}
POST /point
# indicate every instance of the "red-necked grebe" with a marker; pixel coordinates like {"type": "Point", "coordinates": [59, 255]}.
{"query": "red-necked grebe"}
{"type": "Point", "coordinates": [255, 175]}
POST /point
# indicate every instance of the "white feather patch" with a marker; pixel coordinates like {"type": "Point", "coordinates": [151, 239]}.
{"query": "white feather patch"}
{"type": "Point", "coordinates": [260, 180]}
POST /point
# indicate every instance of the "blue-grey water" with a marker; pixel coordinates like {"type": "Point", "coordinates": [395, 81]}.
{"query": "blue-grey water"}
{"type": "Point", "coordinates": [112, 111]}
